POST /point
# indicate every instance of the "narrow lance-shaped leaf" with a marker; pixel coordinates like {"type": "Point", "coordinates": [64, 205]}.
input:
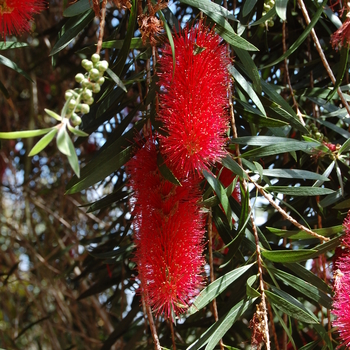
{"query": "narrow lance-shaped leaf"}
{"type": "Point", "coordinates": [291, 306]}
{"type": "Point", "coordinates": [288, 256]}
{"type": "Point", "coordinates": [43, 142]}
{"type": "Point", "coordinates": [216, 288]}
{"type": "Point", "coordinates": [63, 140]}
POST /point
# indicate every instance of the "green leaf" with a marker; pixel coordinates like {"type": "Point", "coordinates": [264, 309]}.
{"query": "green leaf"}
{"type": "Point", "coordinates": [216, 288]}
{"type": "Point", "coordinates": [71, 29]}
{"type": "Point", "coordinates": [345, 147]}
{"type": "Point", "coordinates": [108, 200]}
{"type": "Point", "coordinates": [211, 7]}
{"type": "Point", "coordinates": [214, 333]}
{"type": "Point", "coordinates": [251, 292]}
{"type": "Point", "coordinates": [299, 191]}
{"type": "Point", "coordinates": [43, 142]}
{"type": "Point", "coordinates": [238, 77]}
{"type": "Point", "coordinates": [77, 8]}
{"type": "Point", "coordinates": [72, 157]}
{"type": "Point", "coordinates": [76, 132]}
{"type": "Point", "coordinates": [343, 205]}
{"type": "Point", "coordinates": [170, 38]}
{"type": "Point", "coordinates": [315, 17]}
{"type": "Point", "coordinates": [108, 160]}
{"type": "Point", "coordinates": [281, 9]}
{"type": "Point", "coordinates": [136, 43]}
{"type": "Point", "coordinates": [23, 134]}
{"type": "Point", "coordinates": [53, 114]}
{"type": "Point", "coordinates": [166, 172]}
{"type": "Point", "coordinates": [232, 165]}
{"type": "Point", "coordinates": [63, 140]}
{"type": "Point", "coordinates": [10, 64]}
{"type": "Point", "coordinates": [342, 67]}
{"type": "Point", "coordinates": [116, 79]}
{"type": "Point", "coordinates": [91, 176]}
{"type": "Point", "coordinates": [303, 287]}
{"type": "Point", "coordinates": [7, 45]}
{"type": "Point", "coordinates": [308, 276]}
{"type": "Point", "coordinates": [250, 68]}
{"type": "Point", "coordinates": [221, 194]}
{"type": "Point", "coordinates": [294, 174]}
{"type": "Point", "coordinates": [248, 6]}
{"type": "Point", "coordinates": [300, 235]}
{"type": "Point", "coordinates": [288, 256]}
{"type": "Point", "coordinates": [289, 305]}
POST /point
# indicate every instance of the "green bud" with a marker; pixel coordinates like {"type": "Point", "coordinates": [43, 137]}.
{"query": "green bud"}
{"type": "Point", "coordinates": [95, 57]}
{"type": "Point", "coordinates": [86, 94]}
{"type": "Point", "coordinates": [90, 101]}
{"type": "Point", "coordinates": [96, 88]}
{"type": "Point", "coordinates": [102, 66]}
{"type": "Point", "coordinates": [94, 74]}
{"type": "Point", "coordinates": [86, 84]}
{"type": "Point", "coordinates": [75, 120]}
{"type": "Point", "coordinates": [100, 81]}
{"type": "Point", "coordinates": [86, 64]}
{"type": "Point", "coordinates": [72, 103]}
{"type": "Point", "coordinates": [85, 108]}
{"type": "Point", "coordinates": [68, 94]}
{"type": "Point", "coordinates": [79, 77]}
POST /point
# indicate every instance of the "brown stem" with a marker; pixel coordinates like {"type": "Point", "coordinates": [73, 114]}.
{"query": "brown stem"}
{"type": "Point", "coordinates": [322, 55]}
{"type": "Point", "coordinates": [172, 334]}
{"type": "Point", "coordinates": [102, 26]}
{"type": "Point", "coordinates": [153, 328]}
{"type": "Point", "coordinates": [211, 264]}
{"type": "Point", "coordinates": [283, 213]}
{"type": "Point", "coordinates": [273, 327]}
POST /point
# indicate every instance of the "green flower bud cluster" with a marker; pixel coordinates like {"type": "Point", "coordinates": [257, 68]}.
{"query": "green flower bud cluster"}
{"type": "Point", "coordinates": [315, 133]}
{"type": "Point", "coordinates": [268, 5]}
{"type": "Point", "coordinates": [78, 100]}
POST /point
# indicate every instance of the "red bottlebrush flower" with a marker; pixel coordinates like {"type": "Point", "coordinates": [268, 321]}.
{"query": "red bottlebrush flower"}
{"type": "Point", "coordinates": [193, 100]}
{"type": "Point", "coordinates": [169, 235]}
{"type": "Point", "coordinates": [341, 300]}
{"type": "Point", "coordinates": [15, 15]}
{"type": "Point", "coordinates": [341, 37]}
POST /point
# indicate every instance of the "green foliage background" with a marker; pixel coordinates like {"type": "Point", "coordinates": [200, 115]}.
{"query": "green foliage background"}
{"type": "Point", "coordinates": [67, 279]}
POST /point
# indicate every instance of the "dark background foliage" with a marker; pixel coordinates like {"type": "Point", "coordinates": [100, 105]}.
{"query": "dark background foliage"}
{"type": "Point", "coordinates": [67, 278]}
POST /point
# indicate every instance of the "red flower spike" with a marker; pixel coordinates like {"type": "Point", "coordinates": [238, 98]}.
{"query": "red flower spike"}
{"type": "Point", "coordinates": [341, 38]}
{"type": "Point", "coordinates": [193, 101]}
{"type": "Point", "coordinates": [169, 235]}
{"type": "Point", "coordinates": [341, 299]}
{"type": "Point", "coordinates": [15, 15]}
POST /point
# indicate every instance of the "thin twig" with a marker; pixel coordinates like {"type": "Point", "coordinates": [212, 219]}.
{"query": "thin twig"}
{"type": "Point", "coordinates": [153, 328]}
{"type": "Point", "coordinates": [172, 334]}
{"type": "Point", "coordinates": [322, 55]}
{"type": "Point", "coordinates": [102, 26]}
{"type": "Point", "coordinates": [211, 265]}
{"type": "Point", "coordinates": [283, 213]}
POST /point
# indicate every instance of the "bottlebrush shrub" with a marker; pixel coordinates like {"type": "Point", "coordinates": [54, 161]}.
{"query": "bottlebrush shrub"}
{"type": "Point", "coordinates": [15, 15]}
{"type": "Point", "coordinates": [193, 100]}
{"type": "Point", "coordinates": [341, 301]}
{"type": "Point", "coordinates": [169, 231]}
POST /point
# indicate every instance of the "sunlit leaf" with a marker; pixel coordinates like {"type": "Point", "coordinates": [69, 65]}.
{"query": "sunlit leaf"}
{"type": "Point", "coordinates": [288, 256]}
{"type": "Point", "coordinates": [216, 288]}
{"type": "Point", "coordinates": [43, 142]}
